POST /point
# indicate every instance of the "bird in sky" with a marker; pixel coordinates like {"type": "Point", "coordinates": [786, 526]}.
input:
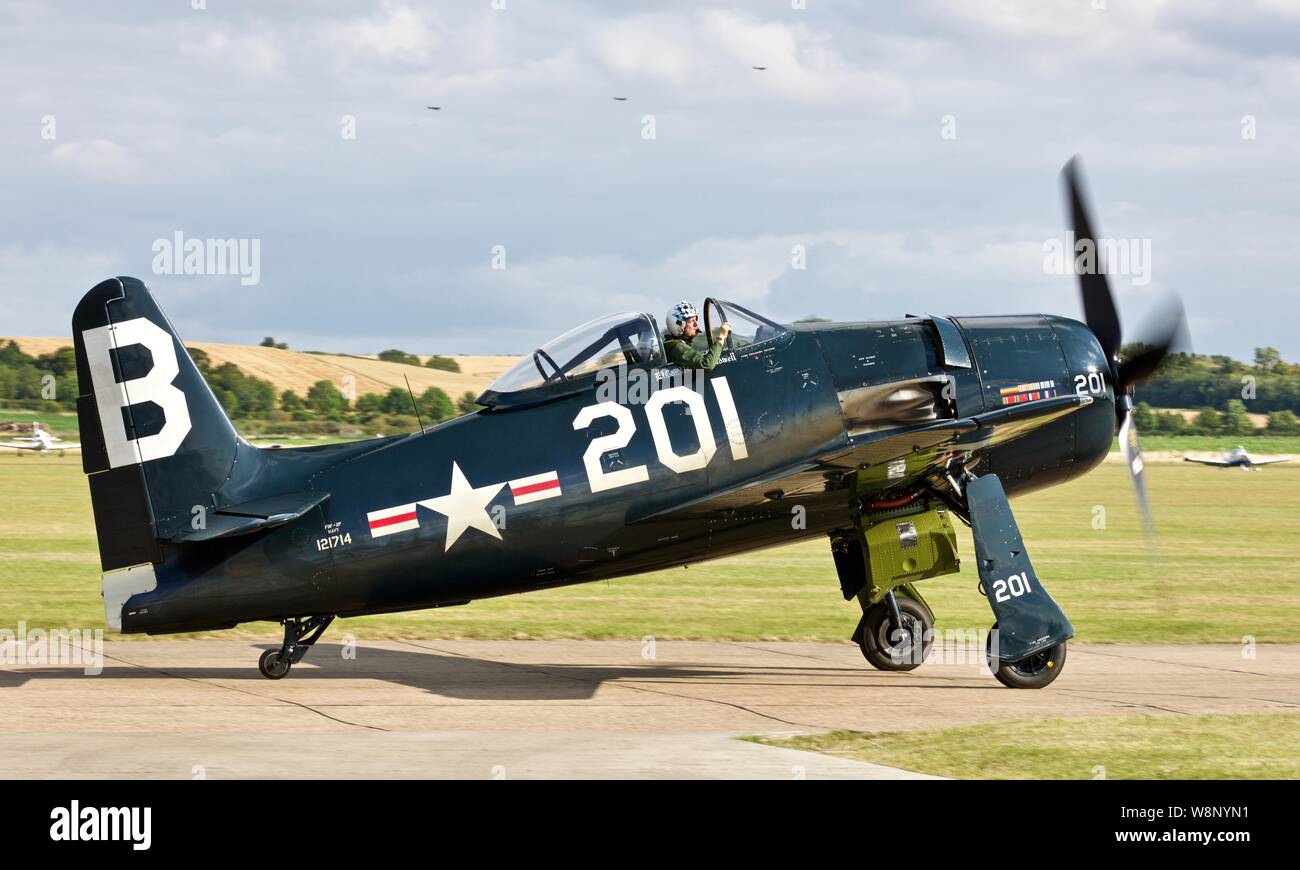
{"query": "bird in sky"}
{"type": "Point", "coordinates": [758, 67]}
{"type": "Point", "coordinates": [435, 108]}
{"type": "Point", "coordinates": [621, 99]}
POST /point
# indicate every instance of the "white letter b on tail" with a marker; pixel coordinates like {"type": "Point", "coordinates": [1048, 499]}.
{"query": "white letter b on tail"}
{"type": "Point", "coordinates": [156, 386]}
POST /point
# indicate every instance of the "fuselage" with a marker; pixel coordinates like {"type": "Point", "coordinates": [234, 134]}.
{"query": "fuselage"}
{"type": "Point", "coordinates": [584, 486]}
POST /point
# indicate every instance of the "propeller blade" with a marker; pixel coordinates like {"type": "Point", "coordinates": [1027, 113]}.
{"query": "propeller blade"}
{"type": "Point", "coordinates": [1132, 451]}
{"type": "Point", "coordinates": [1098, 303]}
{"type": "Point", "coordinates": [1142, 365]}
{"type": "Point", "coordinates": [1168, 331]}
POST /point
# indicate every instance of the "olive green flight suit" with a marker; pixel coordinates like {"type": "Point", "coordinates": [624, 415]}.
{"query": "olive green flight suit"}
{"type": "Point", "coordinates": [680, 352]}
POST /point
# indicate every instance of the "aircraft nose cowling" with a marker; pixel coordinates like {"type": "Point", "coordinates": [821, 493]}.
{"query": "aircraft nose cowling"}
{"type": "Point", "coordinates": [1089, 375]}
{"type": "Point", "coordinates": [1027, 358]}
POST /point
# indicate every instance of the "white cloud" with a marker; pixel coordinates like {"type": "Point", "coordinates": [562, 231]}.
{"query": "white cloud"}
{"type": "Point", "coordinates": [44, 282]}
{"type": "Point", "coordinates": [227, 123]}
{"type": "Point", "coordinates": [249, 55]}
{"type": "Point", "coordinates": [652, 46]}
{"type": "Point", "coordinates": [711, 54]}
{"type": "Point", "coordinates": [99, 158]}
{"type": "Point", "coordinates": [399, 33]}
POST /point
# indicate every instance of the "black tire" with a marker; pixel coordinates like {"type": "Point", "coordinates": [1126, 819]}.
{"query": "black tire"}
{"type": "Point", "coordinates": [1033, 672]}
{"type": "Point", "coordinates": [271, 666]}
{"type": "Point", "coordinates": [895, 654]}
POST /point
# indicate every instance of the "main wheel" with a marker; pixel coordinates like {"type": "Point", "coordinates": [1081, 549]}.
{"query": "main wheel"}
{"type": "Point", "coordinates": [1031, 672]}
{"type": "Point", "coordinates": [271, 666]}
{"type": "Point", "coordinates": [907, 650]}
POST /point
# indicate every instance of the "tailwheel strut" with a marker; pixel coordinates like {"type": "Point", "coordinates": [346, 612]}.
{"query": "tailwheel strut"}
{"type": "Point", "coordinates": [299, 636]}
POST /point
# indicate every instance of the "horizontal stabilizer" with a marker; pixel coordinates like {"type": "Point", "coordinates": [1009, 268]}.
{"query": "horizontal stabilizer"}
{"type": "Point", "coordinates": [249, 516]}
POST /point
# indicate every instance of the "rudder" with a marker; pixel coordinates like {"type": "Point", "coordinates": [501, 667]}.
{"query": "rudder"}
{"type": "Point", "coordinates": [156, 443]}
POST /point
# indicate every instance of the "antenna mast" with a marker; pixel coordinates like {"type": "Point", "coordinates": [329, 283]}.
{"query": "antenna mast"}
{"type": "Point", "coordinates": [414, 406]}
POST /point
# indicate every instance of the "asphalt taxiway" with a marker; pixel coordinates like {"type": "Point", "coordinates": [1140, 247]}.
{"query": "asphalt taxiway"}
{"type": "Point", "coordinates": [558, 709]}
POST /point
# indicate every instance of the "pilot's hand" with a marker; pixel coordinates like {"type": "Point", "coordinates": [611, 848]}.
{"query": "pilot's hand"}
{"type": "Point", "coordinates": [724, 330]}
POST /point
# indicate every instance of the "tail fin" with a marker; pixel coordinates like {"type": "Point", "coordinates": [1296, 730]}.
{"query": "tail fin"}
{"type": "Point", "coordinates": [155, 442]}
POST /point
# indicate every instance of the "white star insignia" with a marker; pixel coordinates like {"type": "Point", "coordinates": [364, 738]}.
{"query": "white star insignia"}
{"type": "Point", "coordinates": [465, 507]}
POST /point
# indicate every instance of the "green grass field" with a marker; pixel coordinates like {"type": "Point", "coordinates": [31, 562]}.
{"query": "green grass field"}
{"type": "Point", "coordinates": [1242, 746]}
{"type": "Point", "coordinates": [63, 424]}
{"type": "Point", "coordinates": [1229, 568]}
{"type": "Point", "coordinates": [1262, 444]}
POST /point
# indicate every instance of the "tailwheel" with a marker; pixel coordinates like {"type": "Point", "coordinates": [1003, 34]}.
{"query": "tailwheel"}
{"type": "Point", "coordinates": [300, 635]}
{"type": "Point", "coordinates": [1032, 672]}
{"type": "Point", "coordinates": [272, 666]}
{"type": "Point", "coordinates": [895, 641]}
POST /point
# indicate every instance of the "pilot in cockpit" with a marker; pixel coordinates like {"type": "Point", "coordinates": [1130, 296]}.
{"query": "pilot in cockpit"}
{"type": "Point", "coordinates": [683, 326]}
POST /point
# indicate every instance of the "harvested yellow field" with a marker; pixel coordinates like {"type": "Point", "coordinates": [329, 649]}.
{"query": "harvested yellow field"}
{"type": "Point", "coordinates": [297, 371]}
{"type": "Point", "coordinates": [1259, 421]}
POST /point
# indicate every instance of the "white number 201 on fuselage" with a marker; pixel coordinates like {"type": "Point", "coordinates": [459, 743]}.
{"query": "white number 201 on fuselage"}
{"type": "Point", "coordinates": [601, 480]}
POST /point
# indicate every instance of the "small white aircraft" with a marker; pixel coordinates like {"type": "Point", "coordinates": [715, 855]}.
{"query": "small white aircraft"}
{"type": "Point", "coordinates": [1238, 458]}
{"type": "Point", "coordinates": [40, 441]}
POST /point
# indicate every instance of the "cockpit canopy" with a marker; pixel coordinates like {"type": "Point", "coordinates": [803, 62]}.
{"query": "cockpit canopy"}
{"type": "Point", "coordinates": [747, 328]}
{"type": "Point", "coordinates": [616, 339]}
{"type": "Point", "coordinates": [557, 367]}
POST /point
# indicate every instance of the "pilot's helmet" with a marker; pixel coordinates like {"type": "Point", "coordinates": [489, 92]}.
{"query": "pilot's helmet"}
{"type": "Point", "coordinates": [678, 315]}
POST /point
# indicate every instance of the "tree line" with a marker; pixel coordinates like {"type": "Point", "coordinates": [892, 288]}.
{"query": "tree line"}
{"type": "Point", "coordinates": [1195, 381]}
{"type": "Point", "coordinates": [49, 383]}
{"type": "Point", "coordinates": [245, 396]}
{"type": "Point", "coordinates": [1221, 389]}
{"type": "Point", "coordinates": [46, 382]}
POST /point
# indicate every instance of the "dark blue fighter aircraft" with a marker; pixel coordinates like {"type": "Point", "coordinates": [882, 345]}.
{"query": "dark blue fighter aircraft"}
{"type": "Point", "coordinates": [595, 458]}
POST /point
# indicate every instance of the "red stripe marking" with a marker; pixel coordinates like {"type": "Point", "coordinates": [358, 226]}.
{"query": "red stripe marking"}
{"type": "Point", "coordinates": [536, 487]}
{"type": "Point", "coordinates": [393, 520]}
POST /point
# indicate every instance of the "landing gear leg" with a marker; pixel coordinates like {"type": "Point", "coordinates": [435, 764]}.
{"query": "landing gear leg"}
{"type": "Point", "coordinates": [1031, 630]}
{"type": "Point", "coordinates": [895, 634]}
{"type": "Point", "coordinates": [299, 636]}
{"type": "Point", "coordinates": [877, 562]}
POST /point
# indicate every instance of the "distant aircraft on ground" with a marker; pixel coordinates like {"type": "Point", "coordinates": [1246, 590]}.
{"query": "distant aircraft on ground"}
{"type": "Point", "coordinates": [1238, 458]}
{"type": "Point", "coordinates": [40, 441]}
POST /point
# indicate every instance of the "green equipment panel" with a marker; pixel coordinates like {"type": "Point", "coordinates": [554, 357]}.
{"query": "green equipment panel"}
{"type": "Point", "coordinates": [904, 545]}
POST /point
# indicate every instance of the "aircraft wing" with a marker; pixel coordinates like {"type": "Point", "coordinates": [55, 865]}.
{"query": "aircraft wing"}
{"type": "Point", "coordinates": [1216, 462]}
{"type": "Point", "coordinates": [920, 448]}
{"type": "Point", "coordinates": [18, 445]}
{"type": "Point", "coordinates": [1270, 461]}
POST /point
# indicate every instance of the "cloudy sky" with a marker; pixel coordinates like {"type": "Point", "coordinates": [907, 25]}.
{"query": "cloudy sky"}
{"type": "Point", "coordinates": [912, 150]}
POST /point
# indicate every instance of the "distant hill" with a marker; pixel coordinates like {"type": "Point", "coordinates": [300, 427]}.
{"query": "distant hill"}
{"type": "Point", "coordinates": [1187, 380]}
{"type": "Point", "coordinates": [298, 370]}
